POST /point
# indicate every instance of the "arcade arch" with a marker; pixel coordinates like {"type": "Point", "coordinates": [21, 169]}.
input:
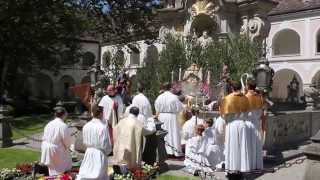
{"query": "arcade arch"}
{"type": "Point", "coordinates": [65, 83]}
{"type": "Point", "coordinates": [43, 87]}
{"type": "Point", "coordinates": [316, 80]}
{"type": "Point", "coordinates": [152, 54]}
{"type": "Point", "coordinates": [281, 80]}
{"type": "Point", "coordinates": [286, 42]}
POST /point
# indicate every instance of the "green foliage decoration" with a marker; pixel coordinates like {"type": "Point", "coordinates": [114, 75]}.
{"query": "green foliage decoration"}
{"type": "Point", "coordinates": [239, 53]}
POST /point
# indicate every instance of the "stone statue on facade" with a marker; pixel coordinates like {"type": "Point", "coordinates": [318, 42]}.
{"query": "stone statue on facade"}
{"type": "Point", "coordinates": [205, 39]}
{"type": "Point", "coordinates": [256, 27]}
{"type": "Point", "coordinates": [293, 91]}
{"type": "Point", "coordinates": [170, 3]}
{"type": "Point", "coordinates": [225, 82]}
{"type": "Point", "coordinates": [312, 95]}
{"type": "Point", "coordinates": [164, 32]}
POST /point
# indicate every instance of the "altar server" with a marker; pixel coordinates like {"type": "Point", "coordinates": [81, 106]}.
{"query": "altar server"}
{"type": "Point", "coordinates": [193, 157]}
{"type": "Point", "coordinates": [256, 104]}
{"type": "Point", "coordinates": [234, 108]}
{"type": "Point", "coordinates": [210, 147]}
{"type": "Point", "coordinates": [220, 126]}
{"type": "Point", "coordinates": [55, 144]}
{"type": "Point", "coordinates": [142, 102]}
{"type": "Point", "coordinates": [96, 139]}
{"type": "Point", "coordinates": [168, 106]}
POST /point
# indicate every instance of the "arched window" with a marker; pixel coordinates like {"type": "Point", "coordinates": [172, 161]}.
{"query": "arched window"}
{"type": "Point", "coordinates": [88, 59]}
{"type": "Point", "coordinates": [286, 42]}
{"type": "Point", "coordinates": [68, 58]}
{"type": "Point", "coordinates": [118, 58]}
{"type": "Point", "coordinates": [281, 82]}
{"type": "Point", "coordinates": [134, 54]}
{"type": "Point", "coordinates": [134, 58]}
{"type": "Point", "coordinates": [152, 55]}
{"type": "Point", "coordinates": [318, 41]}
{"type": "Point", "coordinates": [43, 88]}
{"type": "Point", "coordinates": [66, 82]}
{"type": "Point", "coordinates": [106, 59]}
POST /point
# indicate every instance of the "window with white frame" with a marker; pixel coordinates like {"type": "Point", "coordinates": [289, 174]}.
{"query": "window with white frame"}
{"type": "Point", "coordinates": [286, 42]}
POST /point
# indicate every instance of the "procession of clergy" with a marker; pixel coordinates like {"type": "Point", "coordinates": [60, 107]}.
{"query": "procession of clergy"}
{"type": "Point", "coordinates": [231, 141]}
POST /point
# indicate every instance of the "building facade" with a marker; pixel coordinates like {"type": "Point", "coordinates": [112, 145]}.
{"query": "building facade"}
{"type": "Point", "coordinates": [293, 46]}
{"type": "Point", "coordinates": [47, 85]}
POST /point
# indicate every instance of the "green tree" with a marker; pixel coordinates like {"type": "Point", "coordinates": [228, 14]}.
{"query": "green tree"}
{"type": "Point", "coordinates": [237, 52]}
{"type": "Point", "coordinates": [38, 34]}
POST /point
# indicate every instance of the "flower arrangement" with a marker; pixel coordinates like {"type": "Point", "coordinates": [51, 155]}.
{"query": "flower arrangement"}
{"type": "Point", "coordinates": [6, 174]}
{"type": "Point", "coordinates": [25, 168]}
{"type": "Point", "coordinates": [65, 176]}
{"type": "Point", "coordinates": [141, 173]}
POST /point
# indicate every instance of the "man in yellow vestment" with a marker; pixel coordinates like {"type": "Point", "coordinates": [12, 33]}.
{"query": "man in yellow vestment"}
{"type": "Point", "coordinates": [128, 140]}
{"type": "Point", "coordinates": [234, 109]}
{"type": "Point", "coordinates": [256, 105]}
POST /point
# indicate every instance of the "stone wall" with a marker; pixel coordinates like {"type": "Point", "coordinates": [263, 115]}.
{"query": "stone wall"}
{"type": "Point", "coordinates": [290, 128]}
{"type": "Point", "coordinates": [286, 129]}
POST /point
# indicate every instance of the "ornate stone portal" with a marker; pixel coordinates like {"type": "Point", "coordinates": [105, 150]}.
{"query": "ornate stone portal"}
{"type": "Point", "coordinates": [213, 17]}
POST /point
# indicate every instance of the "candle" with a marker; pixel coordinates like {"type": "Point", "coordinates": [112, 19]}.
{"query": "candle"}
{"type": "Point", "coordinates": [180, 71]}
{"type": "Point", "coordinates": [203, 101]}
{"type": "Point", "coordinates": [196, 101]}
{"type": "Point", "coordinates": [172, 76]}
{"type": "Point", "coordinates": [209, 78]}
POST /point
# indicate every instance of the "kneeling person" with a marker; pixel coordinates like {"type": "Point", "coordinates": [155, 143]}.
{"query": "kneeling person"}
{"type": "Point", "coordinates": [96, 138]}
{"type": "Point", "coordinates": [193, 151]}
{"type": "Point", "coordinates": [210, 147]}
{"type": "Point", "coordinates": [128, 140]}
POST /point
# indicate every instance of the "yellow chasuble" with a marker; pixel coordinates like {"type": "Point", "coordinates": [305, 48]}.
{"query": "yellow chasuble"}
{"type": "Point", "coordinates": [235, 102]}
{"type": "Point", "coordinates": [255, 100]}
{"type": "Point", "coordinates": [128, 142]}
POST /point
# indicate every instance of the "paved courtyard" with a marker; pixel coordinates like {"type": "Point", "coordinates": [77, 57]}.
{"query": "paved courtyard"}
{"type": "Point", "coordinates": [294, 172]}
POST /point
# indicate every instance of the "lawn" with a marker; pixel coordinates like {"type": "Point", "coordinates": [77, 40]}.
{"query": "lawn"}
{"type": "Point", "coordinates": [29, 125]}
{"type": "Point", "coordinates": [10, 157]}
{"type": "Point", "coordinates": [170, 177]}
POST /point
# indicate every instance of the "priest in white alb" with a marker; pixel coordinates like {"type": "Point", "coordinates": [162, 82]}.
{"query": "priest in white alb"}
{"type": "Point", "coordinates": [128, 140]}
{"type": "Point", "coordinates": [220, 127]}
{"type": "Point", "coordinates": [142, 102]}
{"type": "Point", "coordinates": [55, 144]}
{"type": "Point", "coordinates": [113, 107]}
{"type": "Point", "coordinates": [167, 107]}
{"type": "Point", "coordinates": [96, 139]}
